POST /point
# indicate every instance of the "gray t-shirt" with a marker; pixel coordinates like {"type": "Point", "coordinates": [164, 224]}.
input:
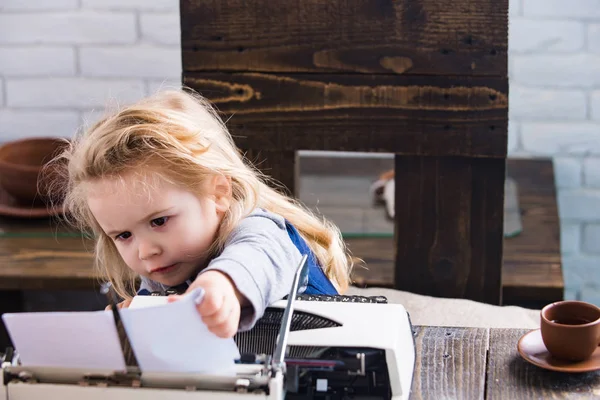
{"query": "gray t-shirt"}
{"type": "Point", "coordinates": [260, 258]}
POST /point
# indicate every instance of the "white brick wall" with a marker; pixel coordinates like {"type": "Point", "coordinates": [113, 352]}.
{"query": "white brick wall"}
{"type": "Point", "coordinates": [579, 9]}
{"type": "Point", "coordinates": [577, 70]}
{"type": "Point", "coordinates": [37, 5]}
{"type": "Point", "coordinates": [531, 35]}
{"type": "Point", "coordinates": [140, 5]}
{"type": "Point", "coordinates": [37, 61]}
{"type": "Point", "coordinates": [144, 61]}
{"type": "Point", "coordinates": [161, 28]}
{"type": "Point", "coordinates": [593, 38]}
{"type": "Point", "coordinates": [24, 123]}
{"type": "Point", "coordinates": [571, 242]}
{"type": "Point", "coordinates": [61, 61]}
{"type": "Point", "coordinates": [591, 168]}
{"type": "Point", "coordinates": [547, 104]}
{"type": "Point", "coordinates": [558, 138]}
{"type": "Point", "coordinates": [71, 92]}
{"type": "Point", "coordinates": [595, 105]}
{"type": "Point", "coordinates": [568, 172]}
{"type": "Point", "coordinates": [554, 71]}
{"type": "Point", "coordinates": [73, 27]}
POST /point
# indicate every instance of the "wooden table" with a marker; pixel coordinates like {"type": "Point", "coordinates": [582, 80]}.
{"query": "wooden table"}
{"type": "Point", "coordinates": [40, 254]}
{"type": "Point", "coordinates": [477, 363]}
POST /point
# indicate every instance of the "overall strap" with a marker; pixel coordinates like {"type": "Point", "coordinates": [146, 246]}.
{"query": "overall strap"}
{"type": "Point", "coordinates": [318, 283]}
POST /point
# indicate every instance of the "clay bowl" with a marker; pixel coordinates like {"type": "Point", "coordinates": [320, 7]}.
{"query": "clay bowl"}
{"type": "Point", "coordinates": [21, 163]}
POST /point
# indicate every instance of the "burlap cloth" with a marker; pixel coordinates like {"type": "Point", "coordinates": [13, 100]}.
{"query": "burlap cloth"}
{"type": "Point", "coordinates": [433, 311]}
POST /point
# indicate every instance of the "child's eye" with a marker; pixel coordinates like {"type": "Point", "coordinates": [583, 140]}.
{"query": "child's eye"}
{"type": "Point", "coordinates": [159, 221]}
{"type": "Point", "coordinates": [123, 236]}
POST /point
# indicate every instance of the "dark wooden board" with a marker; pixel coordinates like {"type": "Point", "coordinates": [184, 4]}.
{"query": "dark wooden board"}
{"type": "Point", "coordinates": [425, 79]}
{"type": "Point", "coordinates": [448, 232]}
{"type": "Point", "coordinates": [279, 167]}
{"type": "Point", "coordinates": [412, 115]}
{"type": "Point", "coordinates": [511, 377]}
{"type": "Point", "coordinates": [450, 363]}
{"type": "Point", "coordinates": [428, 37]}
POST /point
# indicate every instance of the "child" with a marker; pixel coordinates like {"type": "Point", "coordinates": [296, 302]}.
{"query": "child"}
{"type": "Point", "coordinates": [170, 200]}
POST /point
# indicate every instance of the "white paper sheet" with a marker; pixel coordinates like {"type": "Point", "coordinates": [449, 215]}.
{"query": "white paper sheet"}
{"type": "Point", "coordinates": [66, 339]}
{"type": "Point", "coordinates": [172, 337]}
{"type": "Point", "coordinates": [147, 301]}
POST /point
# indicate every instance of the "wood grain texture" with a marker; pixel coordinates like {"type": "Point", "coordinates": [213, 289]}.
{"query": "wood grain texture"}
{"type": "Point", "coordinates": [509, 376]}
{"type": "Point", "coordinates": [450, 363]}
{"type": "Point", "coordinates": [426, 79]}
{"type": "Point", "coordinates": [279, 167]}
{"type": "Point", "coordinates": [448, 232]}
{"type": "Point", "coordinates": [532, 260]}
{"type": "Point", "coordinates": [46, 262]}
{"type": "Point", "coordinates": [403, 114]}
{"type": "Point", "coordinates": [428, 37]}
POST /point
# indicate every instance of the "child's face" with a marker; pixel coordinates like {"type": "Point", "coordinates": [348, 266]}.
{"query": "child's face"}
{"type": "Point", "coordinates": [163, 236]}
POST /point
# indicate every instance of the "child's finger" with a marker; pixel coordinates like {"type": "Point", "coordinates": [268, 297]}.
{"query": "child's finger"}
{"type": "Point", "coordinates": [125, 303]}
{"type": "Point", "coordinates": [228, 328]}
{"type": "Point", "coordinates": [219, 317]}
{"type": "Point", "coordinates": [173, 297]}
{"type": "Point", "coordinates": [210, 304]}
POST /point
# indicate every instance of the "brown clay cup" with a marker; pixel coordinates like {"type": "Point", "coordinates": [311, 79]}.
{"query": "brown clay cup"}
{"type": "Point", "coordinates": [21, 164]}
{"type": "Point", "coordinates": [571, 329]}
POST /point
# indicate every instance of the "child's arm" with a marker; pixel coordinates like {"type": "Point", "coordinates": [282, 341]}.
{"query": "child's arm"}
{"type": "Point", "coordinates": [258, 261]}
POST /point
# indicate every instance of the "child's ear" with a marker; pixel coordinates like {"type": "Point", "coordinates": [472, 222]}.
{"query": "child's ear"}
{"type": "Point", "coordinates": [222, 192]}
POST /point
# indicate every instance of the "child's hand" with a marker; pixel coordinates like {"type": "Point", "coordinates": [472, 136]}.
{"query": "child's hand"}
{"type": "Point", "coordinates": [220, 307]}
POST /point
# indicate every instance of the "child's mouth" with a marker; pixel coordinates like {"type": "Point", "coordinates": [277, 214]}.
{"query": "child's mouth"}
{"type": "Point", "coordinates": [164, 270]}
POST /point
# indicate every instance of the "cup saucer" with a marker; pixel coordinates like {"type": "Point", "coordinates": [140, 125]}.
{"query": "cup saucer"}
{"type": "Point", "coordinates": [531, 347]}
{"type": "Point", "coordinates": [10, 207]}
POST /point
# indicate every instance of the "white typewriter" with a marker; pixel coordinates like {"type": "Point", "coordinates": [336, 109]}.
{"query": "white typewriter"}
{"type": "Point", "coordinates": [305, 347]}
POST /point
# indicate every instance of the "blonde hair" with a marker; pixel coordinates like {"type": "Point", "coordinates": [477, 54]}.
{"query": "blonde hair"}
{"type": "Point", "coordinates": [178, 134]}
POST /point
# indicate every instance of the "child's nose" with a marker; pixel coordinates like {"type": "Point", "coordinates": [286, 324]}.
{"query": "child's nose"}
{"type": "Point", "coordinates": [148, 249]}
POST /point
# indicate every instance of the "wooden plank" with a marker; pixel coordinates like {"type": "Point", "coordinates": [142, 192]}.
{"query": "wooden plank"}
{"type": "Point", "coordinates": [400, 114]}
{"type": "Point", "coordinates": [536, 281]}
{"type": "Point", "coordinates": [430, 37]}
{"type": "Point", "coordinates": [279, 167]}
{"type": "Point", "coordinates": [484, 282]}
{"type": "Point", "coordinates": [450, 363]}
{"type": "Point", "coordinates": [449, 227]}
{"type": "Point", "coordinates": [532, 260]}
{"type": "Point", "coordinates": [511, 377]}
{"type": "Point", "coordinates": [46, 262]}
{"type": "Point", "coordinates": [528, 281]}
{"type": "Point", "coordinates": [378, 256]}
